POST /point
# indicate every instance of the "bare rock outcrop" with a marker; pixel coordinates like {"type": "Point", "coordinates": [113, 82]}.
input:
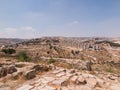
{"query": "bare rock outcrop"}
{"type": "Point", "coordinates": [30, 75]}
{"type": "Point", "coordinates": [11, 69]}
{"type": "Point", "coordinates": [3, 72]}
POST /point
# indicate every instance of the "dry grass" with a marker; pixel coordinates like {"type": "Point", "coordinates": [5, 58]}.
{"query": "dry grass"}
{"type": "Point", "coordinates": [21, 79]}
{"type": "Point", "coordinates": [64, 65]}
{"type": "Point", "coordinates": [106, 68]}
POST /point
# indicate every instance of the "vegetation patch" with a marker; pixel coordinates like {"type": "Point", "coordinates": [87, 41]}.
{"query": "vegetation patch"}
{"type": "Point", "coordinates": [109, 69]}
{"type": "Point", "coordinates": [8, 51]}
{"type": "Point", "coordinates": [110, 42]}
{"type": "Point", "coordinates": [51, 60]}
{"type": "Point", "coordinates": [23, 56]}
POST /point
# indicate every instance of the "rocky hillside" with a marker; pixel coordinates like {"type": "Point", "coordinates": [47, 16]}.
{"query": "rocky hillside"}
{"type": "Point", "coordinates": [61, 63]}
{"type": "Point", "coordinates": [97, 49]}
{"type": "Point", "coordinates": [30, 76]}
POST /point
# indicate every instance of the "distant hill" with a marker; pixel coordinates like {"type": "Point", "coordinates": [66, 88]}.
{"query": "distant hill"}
{"type": "Point", "coordinates": [117, 40]}
{"type": "Point", "coordinates": [9, 41]}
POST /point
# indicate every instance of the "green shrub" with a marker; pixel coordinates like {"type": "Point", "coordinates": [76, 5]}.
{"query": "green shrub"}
{"type": "Point", "coordinates": [9, 51]}
{"type": "Point", "coordinates": [22, 56]}
{"type": "Point", "coordinates": [69, 66]}
{"type": "Point", "coordinates": [51, 61]}
{"type": "Point", "coordinates": [110, 70]}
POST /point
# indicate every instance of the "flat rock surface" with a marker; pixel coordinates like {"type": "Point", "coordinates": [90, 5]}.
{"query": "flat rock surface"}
{"type": "Point", "coordinates": [57, 79]}
{"type": "Point", "coordinates": [61, 80]}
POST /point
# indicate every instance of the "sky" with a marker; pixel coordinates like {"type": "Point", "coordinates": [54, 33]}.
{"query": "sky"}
{"type": "Point", "coordinates": [71, 18]}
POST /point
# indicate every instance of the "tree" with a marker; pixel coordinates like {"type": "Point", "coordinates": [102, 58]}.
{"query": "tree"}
{"type": "Point", "coordinates": [73, 52]}
{"type": "Point", "coordinates": [89, 66]}
{"type": "Point", "coordinates": [22, 56]}
{"type": "Point", "coordinates": [9, 51]}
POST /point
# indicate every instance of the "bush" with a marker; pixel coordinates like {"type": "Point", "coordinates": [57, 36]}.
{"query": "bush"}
{"type": "Point", "coordinates": [51, 61]}
{"type": "Point", "coordinates": [9, 51]}
{"type": "Point", "coordinates": [72, 52]}
{"type": "Point", "coordinates": [69, 66]}
{"type": "Point", "coordinates": [110, 70]}
{"type": "Point", "coordinates": [113, 44]}
{"type": "Point", "coordinates": [22, 56]}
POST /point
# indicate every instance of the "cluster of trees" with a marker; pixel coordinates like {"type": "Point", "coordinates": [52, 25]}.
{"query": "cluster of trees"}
{"type": "Point", "coordinates": [8, 51]}
{"type": "Point", "coordinates": [22, 56]}
{"type": "Point", "coordinates": [113, 44]}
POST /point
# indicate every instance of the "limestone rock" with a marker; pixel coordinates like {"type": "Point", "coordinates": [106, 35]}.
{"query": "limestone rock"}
{"type": "Point", "coordinates": [3, 72]}
{"type": "Point", "coordinates": [62, 81]}
{"type": "Point", "coordinates": [73, 79]}
{"type": "Point", "coordinates": [72, 71]}
{"type": "Point", "coordinates": [81, 80]}
{"type": "Point", "coordinates": [11, 69]}
{"type": "Point", "coordinates": [48, 88]}
{"type": "Point", "coordinates": [115, 86]}
{"type": "Point", "coordinates": [5, 88]}
{"type": "Point", "coordinates": [25, 87]}
{"type": "Point", "coordinates": [39, 68]}
{"type": "Point", "coordinates": [91, 82]}
{"type": "Point", "coordinates": [112, 77]}
{"type": "Point", "coordinates": [30, 74]}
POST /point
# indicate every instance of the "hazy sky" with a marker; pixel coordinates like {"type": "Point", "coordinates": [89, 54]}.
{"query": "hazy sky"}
{"type": "Point", "coordinates": [78, 18]}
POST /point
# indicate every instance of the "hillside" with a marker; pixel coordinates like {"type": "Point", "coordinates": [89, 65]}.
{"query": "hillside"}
{"type": "Point", "coordinates": [99, 49]}
{"type": "Point", "coordinates": [10, 41]}
{"type": "Point", "coordinates": [60, 63]}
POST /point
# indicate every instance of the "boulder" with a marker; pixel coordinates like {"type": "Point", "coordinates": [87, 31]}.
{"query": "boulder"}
{"type": "Point", "coordinates": [81, 80]}
{"type": "Point", "coordinates": [3, 72]}
{"type": "Point", "coordinates": [74, 79]}
{"type": "Point", "coordinates": [11, 69]}
{"type": "Point", "coordinates": [63, 81]}
{"type": "Point", "coordinates": [25, 87]}
{"type": "Point", "coordinates": [30, 74]}
{"type": "Point", "coordinates": [39, 68]}
{"type": "Point", "coordinates": [19, 65]}
{"type": "Point", "coordinates": [72, 71]}
{"type": "Point", "coordinates": [45, 69]}
{"type": "Point", "coordinates": [91, 82]}
{"type": "Point", "coordinates": [112, 77]}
